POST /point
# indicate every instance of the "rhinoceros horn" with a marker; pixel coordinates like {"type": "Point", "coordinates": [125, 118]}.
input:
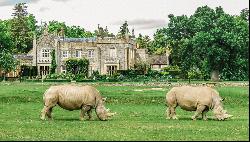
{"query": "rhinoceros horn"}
{"type": "Point", "coordinates": [109, 114]}
{"type": "Point", "coordinates": [226, 115]}
{"type": "Point", "coordinates": [222, 115]}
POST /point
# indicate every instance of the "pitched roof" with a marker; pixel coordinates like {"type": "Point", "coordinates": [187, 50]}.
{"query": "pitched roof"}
{"type": "Point", "coordinates": [90, 39]}
{"type": "Point", "coordinates": [158, 60]}
{"type": "Point", "coordinates": [23, 56]}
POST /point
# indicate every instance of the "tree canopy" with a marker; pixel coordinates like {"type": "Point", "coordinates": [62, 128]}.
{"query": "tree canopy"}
{"type": "Point", "coordinates": [210, 40]}
{"type": "Point", "coordinates": [123, 30]}
{"type": "Point", "coordinates": [7, 61]}
{"type": "Point", "coordinates": [23, 26]}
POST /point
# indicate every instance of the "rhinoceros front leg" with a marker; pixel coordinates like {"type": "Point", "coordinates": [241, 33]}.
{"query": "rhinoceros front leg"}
{"type": "Point", "coordinates": [89, 112]}
{"type": "Point", "coordinates": [84, 109]}
{"type": "Point", "coordinates": [43, 112]}
{"type": "Point", "coordinates": [168, 112]}
{"type": "Point", "coordinates": [204, 114]}
{"type": "Point", "coordinates": [46, 111]}
{"type": "Point", "coordinates": [199, 110]}
{"type": "Point", "coordinates": [171, 114]}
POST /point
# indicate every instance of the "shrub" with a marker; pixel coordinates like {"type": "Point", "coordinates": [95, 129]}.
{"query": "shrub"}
{"type": "Point", "coordinates": [77, 66]}
{"type": "Point", "coordinates": [174, 71]}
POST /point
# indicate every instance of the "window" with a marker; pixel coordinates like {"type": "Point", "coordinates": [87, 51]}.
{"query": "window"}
{"type": "Point", "coordinates": [111, 69]}
{"type": "Point", "coordinates": [91, 53]}
{"type": "Point", "coordinates": [44, 70]}
{"type": "Point", "coordinates": [112, 53]}
{"type": "Point", "coordinates": [78, 53]}
{"type": "Point", "coordinates": [45, 53]}
{"type": "Point", "coordinates": [65, 54]}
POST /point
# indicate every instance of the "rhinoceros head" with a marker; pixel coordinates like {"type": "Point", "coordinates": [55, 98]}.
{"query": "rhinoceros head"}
{"type": "Point", "coordinates": [219, 112]}
{"type": "Point", "coordinates": [103, 113]}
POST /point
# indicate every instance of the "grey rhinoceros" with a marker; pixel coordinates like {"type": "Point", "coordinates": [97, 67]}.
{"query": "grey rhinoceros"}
{"type": "Point", "coordinates": [72, 97]}
{"type": "Point", "coordinates": [200, 99]}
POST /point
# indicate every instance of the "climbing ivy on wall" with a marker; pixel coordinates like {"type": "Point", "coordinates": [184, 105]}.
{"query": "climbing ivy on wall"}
{"type": "Point", "coordinates": [53, 62]}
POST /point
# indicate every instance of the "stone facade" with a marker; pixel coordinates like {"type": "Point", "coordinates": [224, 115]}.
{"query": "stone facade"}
{"type": "Point", "coordinates": [106, 55]}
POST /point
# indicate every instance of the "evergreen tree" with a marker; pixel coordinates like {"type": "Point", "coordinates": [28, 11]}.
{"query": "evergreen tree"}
{"type": "Point", "coordinates": [123, 30]}
{"type": "Point", "coordinates": [22, 28]}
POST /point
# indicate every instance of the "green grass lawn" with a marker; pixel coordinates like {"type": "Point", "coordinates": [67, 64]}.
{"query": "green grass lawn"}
{"type": "Point", "coordinates": [140, 116]}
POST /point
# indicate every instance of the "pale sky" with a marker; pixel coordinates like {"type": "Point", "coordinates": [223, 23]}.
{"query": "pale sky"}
{"type": "Point", "coordinates": [145, 16]}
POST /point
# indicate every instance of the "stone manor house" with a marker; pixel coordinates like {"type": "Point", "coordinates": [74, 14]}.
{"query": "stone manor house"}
{"type": "Point", "coordinates": [106, 55]}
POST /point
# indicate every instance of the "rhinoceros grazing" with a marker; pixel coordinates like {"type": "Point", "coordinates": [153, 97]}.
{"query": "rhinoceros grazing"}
{"type": "Point", "coordinates": [71, 97]}
{"type": "Point", "coordinates": [199, 99]}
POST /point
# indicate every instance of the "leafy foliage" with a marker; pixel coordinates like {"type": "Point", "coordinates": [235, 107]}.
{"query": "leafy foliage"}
{"type": "Point", "coordinates": [7, 61]}
{"type": "Point", "coordinates": [77, 66]}
{"type": "Point", "coordinates": [210, 40]}
{"type": "Point", "coordinates": [101, 32]}
{"type": "Point", "coordinates": [142, 66]}
{"type": "Point", "coordinates": [53, 62]}
{"type": "Point", "coordinates": [61, 29]}
{"type": "Point", "coordinates": [22, 28]}
{"type": "Point", "coordinates": [123, 30]}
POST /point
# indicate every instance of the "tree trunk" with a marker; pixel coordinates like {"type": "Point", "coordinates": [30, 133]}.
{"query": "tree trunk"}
{"type": "Point", "coordinates": [215, 75]}
{"type": "Point", "coordinates": [4, 77]}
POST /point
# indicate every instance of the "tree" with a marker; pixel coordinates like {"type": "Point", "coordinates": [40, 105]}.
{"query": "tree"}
{"type": "Point", "coordinates": [22, 28]}
{"type": "Point", "coordinates": [160, 42]}
{"type": "Point", "coordinates": [101, 32]}
{"type": "Point", "coordinates": [145, 42]}
{"type": "Point", "coordinates": [62, 29]}
{"type": "Point", "coordinates": [142, 66]}
{"type": "Point", "coordinates": [244, 14]}
{"type": "Point", "coordinates": [56, 27]}
{"type": "Point", "coordinates": [210, 40]}
{"type": "Point", "coordinates": [123, 30]}
{"type": "Point", "coordinates": [77, 66]}
{"type": "Point", "coordinates": [5, 36]}
{"type": "Point", "coordinates": [7, 61]}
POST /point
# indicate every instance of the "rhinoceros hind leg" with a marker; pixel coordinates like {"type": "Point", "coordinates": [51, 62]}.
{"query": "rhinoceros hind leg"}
{"type": "Point", "coordinates": [199, 110]}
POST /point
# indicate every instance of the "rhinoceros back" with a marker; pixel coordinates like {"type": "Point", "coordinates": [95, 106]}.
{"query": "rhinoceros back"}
{"type": "Point", "coordinates": [188, 97]}
{"type": "Point", "coordinates": [72, 97]}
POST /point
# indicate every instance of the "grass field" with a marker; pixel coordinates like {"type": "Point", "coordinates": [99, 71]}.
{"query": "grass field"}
{"type": "Point", "coordinates": [140, 116]}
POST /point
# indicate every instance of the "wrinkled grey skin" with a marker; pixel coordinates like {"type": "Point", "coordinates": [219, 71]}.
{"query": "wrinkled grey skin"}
{"type": "Point", "coordinates": [72, 97]}
{"type": "Point", "coordinates": [199, 99]}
